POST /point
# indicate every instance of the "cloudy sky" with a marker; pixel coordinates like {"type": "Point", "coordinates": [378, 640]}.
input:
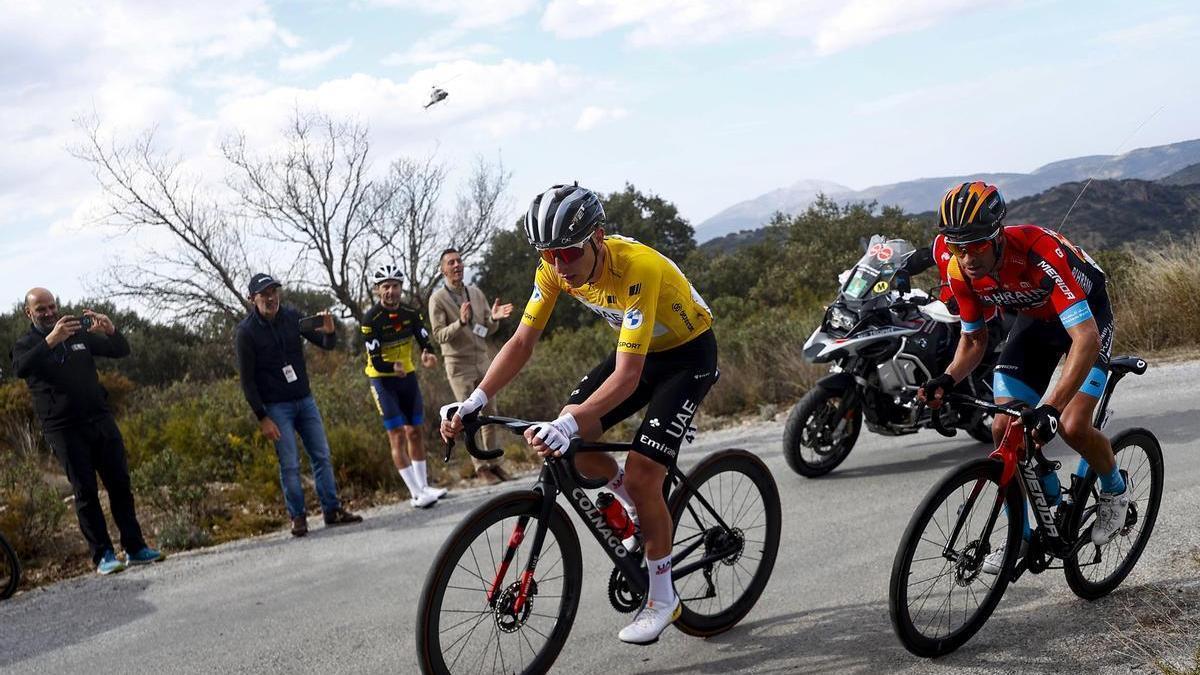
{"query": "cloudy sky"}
{"type": "Point", "coordinates": [705, 102]}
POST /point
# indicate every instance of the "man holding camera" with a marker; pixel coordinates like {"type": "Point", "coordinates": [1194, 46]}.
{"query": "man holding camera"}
{"type": "Point", "coordinates": [270, 356]}
{"type": "Point", "coordinates": [56, 358]}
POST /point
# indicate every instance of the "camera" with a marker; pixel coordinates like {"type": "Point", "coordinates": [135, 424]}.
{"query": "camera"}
{"type": "Point", "coordinates": [86, 322]}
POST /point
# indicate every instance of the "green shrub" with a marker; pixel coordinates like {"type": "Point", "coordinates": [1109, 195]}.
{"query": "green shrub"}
{"type": "Point", "coordinates": [177, 489]}
{"type": "Point", "coordinates": [31, 512]}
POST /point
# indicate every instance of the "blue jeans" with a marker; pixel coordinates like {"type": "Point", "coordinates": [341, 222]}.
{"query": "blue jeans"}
{"type": "Point", "coordinates": [303, 417]}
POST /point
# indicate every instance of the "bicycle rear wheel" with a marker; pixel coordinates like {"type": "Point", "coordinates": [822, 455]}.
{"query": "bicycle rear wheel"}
{"type": "Point", "coordinates": [740, 489]}
{"type": "Point", "coordinates": [459, 630]}
{"type": "Point", "coordinates": [939, 595]}
{"type": "Point", "coordinates": [1095, 571]}
{"type": "Point", "coordinates": [10, 570]}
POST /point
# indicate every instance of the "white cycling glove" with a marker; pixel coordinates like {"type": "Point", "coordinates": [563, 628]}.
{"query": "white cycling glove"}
{"type": "Point", "coordinates": [474, 402]}
{"type": "Point", "coordinates": [557, 434]}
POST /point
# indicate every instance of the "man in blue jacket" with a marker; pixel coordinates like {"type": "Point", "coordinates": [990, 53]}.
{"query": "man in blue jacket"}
{"type": "Point", "coordinates": [270, 355]}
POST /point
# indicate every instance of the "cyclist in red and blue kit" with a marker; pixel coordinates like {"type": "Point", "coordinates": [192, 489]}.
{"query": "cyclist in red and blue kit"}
{"type": "Point", "coordinates": [1058, 294]}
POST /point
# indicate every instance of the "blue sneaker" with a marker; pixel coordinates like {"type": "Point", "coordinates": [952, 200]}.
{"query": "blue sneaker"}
{"type": "Point", "coordinates": [145, 556]}
{"type": "Point", "coordinates": [109, 564]}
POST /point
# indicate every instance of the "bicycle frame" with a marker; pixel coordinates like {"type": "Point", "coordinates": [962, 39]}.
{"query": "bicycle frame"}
{"type": "Point", "coordinates": [1012, 452]}
{"type": "Point", "coordinates": [559, 475]}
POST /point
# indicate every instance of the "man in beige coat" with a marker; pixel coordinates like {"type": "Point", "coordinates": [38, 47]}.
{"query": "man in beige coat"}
{"type": "Point", "coordinates": [461, 318]}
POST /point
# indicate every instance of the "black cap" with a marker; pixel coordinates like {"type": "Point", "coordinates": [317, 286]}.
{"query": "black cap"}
{"type": "Point", "coordinates": [261, 282]}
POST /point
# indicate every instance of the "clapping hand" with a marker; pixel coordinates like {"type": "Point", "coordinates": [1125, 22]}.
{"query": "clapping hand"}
{"type": "Point", "coordinates": [500, 311]}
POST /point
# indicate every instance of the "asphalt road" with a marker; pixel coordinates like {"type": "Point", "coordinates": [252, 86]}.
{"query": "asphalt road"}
{"type": "Point", "coordinates": [344, 600]}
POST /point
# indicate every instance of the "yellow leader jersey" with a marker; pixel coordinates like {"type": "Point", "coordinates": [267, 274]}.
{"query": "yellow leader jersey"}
{"type": "Point", "coordinates": [640, 293]}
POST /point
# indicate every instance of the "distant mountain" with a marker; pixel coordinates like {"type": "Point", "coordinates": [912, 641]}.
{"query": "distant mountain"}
{"type": "Point", "coordinates": [1186, 176]}
{"type": "Point", "coordinates": [920, 195]}
{"type": "Point", "coordinates": [758, 211]}
{"type": "Point", "coordinates": [1112, 212]}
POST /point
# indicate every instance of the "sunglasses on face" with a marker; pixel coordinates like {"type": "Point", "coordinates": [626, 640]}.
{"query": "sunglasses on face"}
{"type": "Point", "coordinates": [973, 248]}
{"type": "Point", "coordinates": [566, 255]}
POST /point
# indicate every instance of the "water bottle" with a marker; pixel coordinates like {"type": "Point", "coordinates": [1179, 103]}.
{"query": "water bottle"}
{"type": "Point", "coordinates": [615, 515]}
{"type": "Point", "coordinates": [1050, 485]}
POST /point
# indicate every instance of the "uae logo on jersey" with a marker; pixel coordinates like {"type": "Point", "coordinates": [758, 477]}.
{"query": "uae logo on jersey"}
{"type": "Point", "coordinates": [633, 319]}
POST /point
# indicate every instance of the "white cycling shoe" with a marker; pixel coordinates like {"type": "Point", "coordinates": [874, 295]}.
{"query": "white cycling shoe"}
{"type": "Point", "coordinates": [651, 620]}
{"type": "Point", "coordinates": [1110, 514]}
{"type": "Point", "coordinates": [995, 560]}
{"type": "Point", "coordinates": [437, 492]}
{"type": "Point", "coordinates": [423, 500]}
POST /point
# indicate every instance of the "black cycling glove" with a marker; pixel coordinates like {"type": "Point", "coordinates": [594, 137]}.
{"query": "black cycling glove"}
{"type": "Point", "coordinates": [943, 381]}
{"type": "Point", "coordinates": [1044, 422]}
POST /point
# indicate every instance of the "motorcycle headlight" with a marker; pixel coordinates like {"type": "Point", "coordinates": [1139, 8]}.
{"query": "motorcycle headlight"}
{"type": "Point", "coordinates": [842, 319]}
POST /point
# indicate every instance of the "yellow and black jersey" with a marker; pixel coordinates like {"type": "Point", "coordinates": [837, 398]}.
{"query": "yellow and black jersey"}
{"type": "Point", "coordinates": [640, 293]}
{"type": "Point", "coordinates": [388, 335]}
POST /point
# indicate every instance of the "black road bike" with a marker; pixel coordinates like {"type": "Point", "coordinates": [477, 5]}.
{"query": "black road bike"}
{"type": "Point", "coordinates": [502, 593]}
{"type": "Point", "coordinates": [10, 569]}
{"type": "Point", "coordinates": [940, 596]}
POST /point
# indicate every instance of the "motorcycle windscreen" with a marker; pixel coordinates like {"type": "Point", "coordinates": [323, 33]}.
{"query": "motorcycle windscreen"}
{"type": "Point", "coordinates": [875, 271]}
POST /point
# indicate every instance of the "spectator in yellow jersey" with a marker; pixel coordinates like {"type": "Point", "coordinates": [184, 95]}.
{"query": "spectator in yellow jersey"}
{"type": "Point", "coordinates": [389, 330]}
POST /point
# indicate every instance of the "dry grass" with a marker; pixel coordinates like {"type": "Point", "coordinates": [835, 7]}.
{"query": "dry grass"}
{"type": "Point", "coordinates": [1153, 299]}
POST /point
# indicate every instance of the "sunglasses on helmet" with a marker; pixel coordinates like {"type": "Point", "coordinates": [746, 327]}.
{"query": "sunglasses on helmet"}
{"type": "Point", "coordinates": [567, 255]}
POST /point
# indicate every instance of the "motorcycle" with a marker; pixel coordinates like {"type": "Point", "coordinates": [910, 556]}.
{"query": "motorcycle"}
{"type": "Point", "coordinates": [883, 339]}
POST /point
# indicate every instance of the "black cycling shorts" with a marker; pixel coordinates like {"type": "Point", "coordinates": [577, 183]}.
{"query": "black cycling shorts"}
{"type": "Point", "coordinates": [1034, 348]}
{"type": "Point", "coordinates": [673, 384]}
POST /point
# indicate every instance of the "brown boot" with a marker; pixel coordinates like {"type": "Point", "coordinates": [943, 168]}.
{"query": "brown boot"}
{"type": "Point", "coordinates": [299, 526]}
{"type": "Point", "coordinates": [501, 473]}
{"type": "Point", "coordinates": [340, 516]}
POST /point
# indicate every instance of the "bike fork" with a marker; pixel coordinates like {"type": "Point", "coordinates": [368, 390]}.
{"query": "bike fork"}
{"type": "Point", "coordinates": [514, 542]}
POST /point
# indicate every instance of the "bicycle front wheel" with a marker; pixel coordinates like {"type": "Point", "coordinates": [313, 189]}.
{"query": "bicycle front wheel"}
{"type": "Point", "coordinates": [10, 570]}
{"type": "Point", "coordinates": [473, 616]}
{"type": "Point", "coordinates": [940, 594]}
{"type": "Point", "coordinates": [719, 591]}
{"type": "Point", "coordinates": [1095, 571]}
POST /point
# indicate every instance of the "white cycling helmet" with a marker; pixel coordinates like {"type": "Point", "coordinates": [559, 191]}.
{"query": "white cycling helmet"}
{"type": "Point", "coordinates": [386, 272]}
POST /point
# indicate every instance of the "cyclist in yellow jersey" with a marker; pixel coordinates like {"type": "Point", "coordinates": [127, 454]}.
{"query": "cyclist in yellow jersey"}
{"type": "Point", "coordinates": [665, 361]}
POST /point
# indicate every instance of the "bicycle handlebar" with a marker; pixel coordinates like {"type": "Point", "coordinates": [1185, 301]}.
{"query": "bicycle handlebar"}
{"type": "Point", "coordinates": [474, 422]}
{"type": "Point", "coordinates": [954, 397]}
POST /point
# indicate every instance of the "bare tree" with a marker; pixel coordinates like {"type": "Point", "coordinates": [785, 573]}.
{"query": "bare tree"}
{"type": "Point", "coordinates": [412, 224]}
{"type": "Point", "coordinates": [148, 192]}
{"type": "Point", "coordinates": [316, 196]}
{"type": "Point", "coordinates": [482, 207]}
{"type": "Point", "coordinates": [415, 230]}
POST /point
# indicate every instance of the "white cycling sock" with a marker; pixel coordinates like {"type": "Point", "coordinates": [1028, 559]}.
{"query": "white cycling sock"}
{"type": "Point", "coordinates": [662, 590]}
{"type": "Point", "coordinates": [422, 476]}
{"type": "Point", "coordinates": [409, 474]}
{"type": "Point", "coordinates": [617, 485]}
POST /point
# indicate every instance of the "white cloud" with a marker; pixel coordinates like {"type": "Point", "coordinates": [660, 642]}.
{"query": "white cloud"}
{"type": "Point", "coordinates": [313, 59]}
{"type": "Point", "coordinates": [467, 14]}
{"type": "Point", "coordinates": [437, 48]}
{"type": "Point", "coordinates": [486, 102]}
{"type": "Point", "coordinates": [592, 116]}
{"type": "Point", "coordinates": [829, 26]}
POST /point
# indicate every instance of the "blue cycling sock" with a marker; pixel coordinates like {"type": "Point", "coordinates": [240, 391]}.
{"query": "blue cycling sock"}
{"type": "Point", "coordinates": [1026, 530]}
{"type": "Point", "coordinates": [1111, 482]}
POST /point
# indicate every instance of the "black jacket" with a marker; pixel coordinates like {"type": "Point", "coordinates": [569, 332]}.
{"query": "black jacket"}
{"type": "Point", "coordinates": [264, 348]}
{"type": "Point", "coordinates": [66, 389]}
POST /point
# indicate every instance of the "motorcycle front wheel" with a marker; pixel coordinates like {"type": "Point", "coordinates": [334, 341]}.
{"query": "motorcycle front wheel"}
{"type": "Point", "coordinates": [816, 438]}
